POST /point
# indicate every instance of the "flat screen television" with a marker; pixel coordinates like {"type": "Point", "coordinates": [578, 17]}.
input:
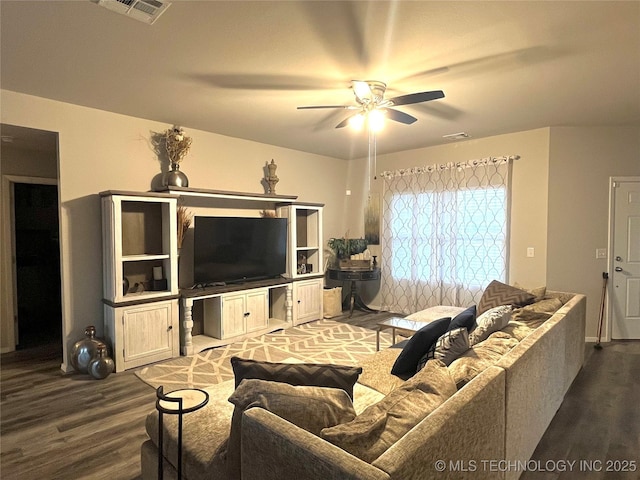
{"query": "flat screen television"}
{"type": "Point", "coordinates": [238, 249]}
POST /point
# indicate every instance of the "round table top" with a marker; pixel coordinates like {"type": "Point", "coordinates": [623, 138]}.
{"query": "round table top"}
{"type": "Point", "coordinates": [192, 400]}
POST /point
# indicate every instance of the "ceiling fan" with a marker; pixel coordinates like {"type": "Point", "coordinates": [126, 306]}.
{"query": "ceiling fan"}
{"type": "Point", "coordinates": [370, 97]}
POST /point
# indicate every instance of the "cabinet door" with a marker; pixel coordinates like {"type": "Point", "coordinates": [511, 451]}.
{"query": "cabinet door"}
{"type": "Point", "coordinates": [258, 310]}
{"type": "Point", "coordinates": [233, 315]}
{"type": "Point", "coordinates": [148, 334]}
{"type": "Point", "coordinates": [307, 301]}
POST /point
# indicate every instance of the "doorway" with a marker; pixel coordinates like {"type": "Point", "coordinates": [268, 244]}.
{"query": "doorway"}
{"type": "Point", "coordinates": [624, 243]}
{"type": "Point", "coordinates": [37, 267]}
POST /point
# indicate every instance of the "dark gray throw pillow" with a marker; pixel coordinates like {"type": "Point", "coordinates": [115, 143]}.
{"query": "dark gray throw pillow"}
{"type": "Point", "coordinates": [466, 318]}
{"type": "Point", "coordinates": [417, 346]}
{"type": "Point", "coordinates": [297, 374]}
{"type": "Point", "coordinates": [498, 293]}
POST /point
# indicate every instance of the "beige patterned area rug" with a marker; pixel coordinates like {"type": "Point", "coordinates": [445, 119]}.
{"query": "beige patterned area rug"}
{"type": "Point", "coordinates": [322, 341]}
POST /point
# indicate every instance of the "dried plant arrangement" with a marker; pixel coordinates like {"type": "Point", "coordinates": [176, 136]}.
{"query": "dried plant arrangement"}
{"type": "Point", "coordinates": [268, 214]}
{"type": "Point", "coordinates": [177, 144]}
{"type": "Point", "coordinates": [184, 222]}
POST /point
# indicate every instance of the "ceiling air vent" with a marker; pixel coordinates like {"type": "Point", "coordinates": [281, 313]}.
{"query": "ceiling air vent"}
{"type": "Point", "coordinates": [146, 11]}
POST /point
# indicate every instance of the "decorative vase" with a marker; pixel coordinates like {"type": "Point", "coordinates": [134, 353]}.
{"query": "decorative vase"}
{"type": "Point", "coordinates": [83, 351]}
{"type": "Point", "coordinates": [101, 365]}
{"type": "Point", "coordinates": [174, 177]}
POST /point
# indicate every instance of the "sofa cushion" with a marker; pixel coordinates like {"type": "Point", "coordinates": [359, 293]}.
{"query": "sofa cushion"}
{"type": "Point", "coordinates": [418, 345]}
{"type": "Point", "coordinates": [309, 374]}
{"type": "Point", "coordinates": [376, 371]}
{"type": "Point", "coordinates": [490, 321]}
{"type": "Point", "coordinates": [466, 318]}
{"type": "Point", "coordinates": [377, 428]}
{"type": "Point", "coordinates": [480, 357]}
{"type": "Point", "coordinates": [310, 408]}
{"type": "Point", "coordinates": [531, 317]}
{"type": "Point", "coordinates": [498, 293]}
{"type": "Point", "coordinates": [517, 330]}
{"type": "Point", "coordinates": [448, 347]}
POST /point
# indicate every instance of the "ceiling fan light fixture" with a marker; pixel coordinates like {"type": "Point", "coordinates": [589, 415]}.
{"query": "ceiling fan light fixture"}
{"type": "Point", "coordinates": [376, 120]}
{"type": "Point", "coordinates": [362, 91]}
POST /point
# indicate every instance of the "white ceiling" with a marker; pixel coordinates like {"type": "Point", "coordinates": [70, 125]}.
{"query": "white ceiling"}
{"type": "Point", "coordinates": [240, 68]}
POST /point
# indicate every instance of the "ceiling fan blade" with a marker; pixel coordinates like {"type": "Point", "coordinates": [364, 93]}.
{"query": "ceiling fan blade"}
{"type": "Point", "coordinates": [346, 107]}
{"type": "Point", "coordinates": [345, 122]}
{"type": "Point", "coordinates": [417, 97]}
{"type": "Point", "coordinates": [399, 116]}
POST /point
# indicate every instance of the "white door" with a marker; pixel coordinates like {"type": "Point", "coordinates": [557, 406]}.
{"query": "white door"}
{"type": "Point", "coordinates": [625, 277]}
{"type": "Point", "coordinates": [307, 301]}
{"type": "Point", "coordinates": [258, 310]}
{"type": "Point", "coordinates": [234, 313]}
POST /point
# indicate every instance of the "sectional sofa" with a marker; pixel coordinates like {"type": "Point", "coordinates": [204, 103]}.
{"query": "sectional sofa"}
{"type": "Point", "coordinates": [503, 401]}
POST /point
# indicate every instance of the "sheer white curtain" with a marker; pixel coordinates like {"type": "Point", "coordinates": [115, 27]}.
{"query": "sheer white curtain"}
{"type": "Point", "coordinates": [445, 233]}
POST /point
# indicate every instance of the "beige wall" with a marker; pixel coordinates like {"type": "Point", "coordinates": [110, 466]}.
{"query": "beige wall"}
{"type": "Point", "coordinates": [30, 163]}
{"type": "Point", "coordinates": [104, 151]}
{"type": "Point", "coordinates": [581, 160]}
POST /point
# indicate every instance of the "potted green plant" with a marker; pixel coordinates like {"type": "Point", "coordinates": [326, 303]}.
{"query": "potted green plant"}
{"type": "Point", "coordinates": [343, 248]}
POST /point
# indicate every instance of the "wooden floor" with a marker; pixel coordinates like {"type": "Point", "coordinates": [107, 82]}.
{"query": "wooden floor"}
{"type": "Point", "coordinates": [56, 426]}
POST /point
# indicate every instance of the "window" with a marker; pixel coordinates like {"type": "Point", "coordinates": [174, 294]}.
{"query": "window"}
{"type": "Point", "coordinates": [443, 240]}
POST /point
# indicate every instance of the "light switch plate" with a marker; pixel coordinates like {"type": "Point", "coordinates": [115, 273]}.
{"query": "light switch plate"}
{"type": "Point", "coordinates": [531, 252]}
{"type": "Point", "coordinates": [601, 253]}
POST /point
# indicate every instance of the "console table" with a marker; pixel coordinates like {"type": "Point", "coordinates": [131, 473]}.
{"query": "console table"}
{"type": "Point", "coordinates": [254, 308]}
{"type": "Point", "coordinates": [354, 276]}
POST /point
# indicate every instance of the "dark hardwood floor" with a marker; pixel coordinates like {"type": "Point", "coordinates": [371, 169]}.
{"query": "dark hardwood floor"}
{"type": "Point", "coordinates": [56, 426]}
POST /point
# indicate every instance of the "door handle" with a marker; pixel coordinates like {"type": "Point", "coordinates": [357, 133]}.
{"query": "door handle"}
{"type": "Point", "coordinates": [618, 269]}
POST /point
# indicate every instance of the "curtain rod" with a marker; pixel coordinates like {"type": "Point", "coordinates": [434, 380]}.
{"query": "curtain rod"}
{"type": "Point", "coordinates": [449, 165]}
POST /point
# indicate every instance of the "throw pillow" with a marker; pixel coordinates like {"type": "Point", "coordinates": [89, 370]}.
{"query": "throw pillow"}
{"type": "Point", "coordinates": [448, 347]}
{"type": "Point", "coordinates": [480, 357]}
{"type": "Point", "coordinates": [311, 408]}
{"type": "Point", "coordinates": [310, 374]}
{"type": "Point", "coordinates": [382, 424]}
{"type": "Point", "coordinates": [538, 292]}
{"type": "Point", "coordinates": [531, 317]}
{"type": "Point", "coordinates": [490, 321]}
{"type": "Point", "coordinates": [420, 343]}
{"type": "Point", "coordinates": [466, 318]}
{"type": "Point", "coordinates": [498, 293]}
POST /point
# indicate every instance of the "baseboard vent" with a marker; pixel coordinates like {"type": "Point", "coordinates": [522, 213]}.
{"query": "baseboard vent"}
{"type": "Point", "coordinates": [146, 11]}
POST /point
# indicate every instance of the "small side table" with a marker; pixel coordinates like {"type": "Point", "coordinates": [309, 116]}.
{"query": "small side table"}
{"type": "Point", "coordinates": [397, 323]}
{"type": "Point", "coordinates": [178, 403]}
{"type": "Point", "coordinates": [353, 276]}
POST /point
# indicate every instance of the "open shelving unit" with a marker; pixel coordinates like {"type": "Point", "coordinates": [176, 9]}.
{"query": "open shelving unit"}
{"type": "Point", "coordinates": [140, 245]}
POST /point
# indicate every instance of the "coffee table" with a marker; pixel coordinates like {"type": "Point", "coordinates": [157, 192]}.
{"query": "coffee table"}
{"type": "Point", "coordinates": [397, 324]}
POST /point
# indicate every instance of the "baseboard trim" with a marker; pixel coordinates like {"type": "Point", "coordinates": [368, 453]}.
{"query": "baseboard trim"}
{"type": "Point", "coordinates": [66, 368]}
{"type": "Point", "coordinates": [595, 340]}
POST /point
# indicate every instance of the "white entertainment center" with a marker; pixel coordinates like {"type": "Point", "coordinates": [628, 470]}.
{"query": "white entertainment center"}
{"type": "Point", "coordinates": [142, 312]}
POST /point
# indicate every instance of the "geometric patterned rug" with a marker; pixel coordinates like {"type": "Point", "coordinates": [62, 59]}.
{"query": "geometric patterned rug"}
{"type": "Point", "coordinates": [322, 341]}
